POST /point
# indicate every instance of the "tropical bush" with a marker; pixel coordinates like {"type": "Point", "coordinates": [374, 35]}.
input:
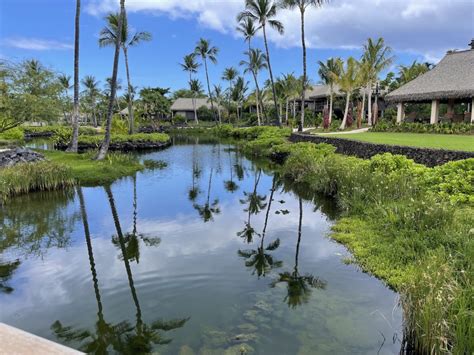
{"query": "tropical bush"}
{"type": "Point", "coordinates": [440, 128]}
{"type": "Point", "coordinates": [15, 134]}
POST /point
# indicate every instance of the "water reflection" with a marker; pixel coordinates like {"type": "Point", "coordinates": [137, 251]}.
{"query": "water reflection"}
{"type": "Point", "coordinates": [6, 272]}
{"type": "Point", "coordinates": [231, 185]}
{"type": "Point", "coordinates": [299, 287]}
{"type": "Point", "coordinates": [194, 191]}
{"type": "Point", "coordinates": [208, 209]}
{"type": "Point", "coordinates": [122, 337]}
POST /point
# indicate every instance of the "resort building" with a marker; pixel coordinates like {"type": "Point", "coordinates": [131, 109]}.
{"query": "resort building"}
{"type": "Point", "coordinates": [185, 107]}
{"type": "Point", "coordinates": [451, 82]}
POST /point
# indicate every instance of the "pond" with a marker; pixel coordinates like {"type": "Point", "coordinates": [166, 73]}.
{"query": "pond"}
{"type": "Point", "coordinates": [213, 254]}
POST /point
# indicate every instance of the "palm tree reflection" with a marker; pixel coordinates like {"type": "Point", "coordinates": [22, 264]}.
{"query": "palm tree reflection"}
{"type": "Point", "coordinates": [260, 260]}
{"type": "Point", "coordinates": [6, 272]}
{"type": "Point", "coordinates": [299, 287]}
{"type": "Point", "coordinates": [255, 203]}
{"type": "Point", "coordinates": [208, 209]}
{"type": "Point", "coordinates": [194, 191]}
{"type": "Point", "coordinates": [231, 185]}
{"type": "Point", "coordinates": [132, 240]}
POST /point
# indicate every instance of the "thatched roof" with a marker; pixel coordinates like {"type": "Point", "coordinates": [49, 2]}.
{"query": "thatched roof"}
{"type": "Point", "coordinates": [186, 104]}
{"type": "Point", "coordinates": [322, 91]}
{"type": "Point", "coordinates": [452, 78]}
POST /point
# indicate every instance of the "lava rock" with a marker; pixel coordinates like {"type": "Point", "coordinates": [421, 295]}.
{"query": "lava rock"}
{"type": "Point", "coordinates": [10, 157]}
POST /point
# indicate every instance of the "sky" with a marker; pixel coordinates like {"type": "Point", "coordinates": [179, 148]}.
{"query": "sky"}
{"type": "Point", "coordinates": [420, 30]}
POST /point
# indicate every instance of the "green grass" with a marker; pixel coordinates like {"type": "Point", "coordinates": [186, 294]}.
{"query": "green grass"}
{"type": "Point", "coordinates": [89, 172]}
{"type": "Point", "coordinates": [436, 141]}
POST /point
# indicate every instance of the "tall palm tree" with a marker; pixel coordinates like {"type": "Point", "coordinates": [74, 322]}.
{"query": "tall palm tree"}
{"type": "Point", "coordinates": [264, 12]}
{"type": "Point", "coordinates": [108, 37]}
{"type": "Point", "coordinates": [65, 82]}
{"type": "Point", "coordinates": [299, 286]}
{"type": "Point", "coordinates": [238, 94]}
{"type": "Point", "coordinates": [190, 65]}
{"type": "Point", "coordinates": [302, 5]}
{"type": "Point", "coordinates": [348, 81]}
{"type": "Point", "coordinates": [206, 51]}
{"type": "Point", "coordinates": [104, 148]}
{"type": "Point", "coordinates": [92, 91]}
{"type": "Point", "coordinates": [248, 29]}
{"type": "Point", "coordinates": [219, 96]}
{"type": "Point", "coordinates": [327, 72]}
{"type": "Point", "coordinates": [257, 61]}
{"type": "Point", "coordinates": [196, 89]}
{"type": "Point", "coordinates": [407, 73]}
{"type": "Point", "coordinates": [378, 57]}
{"type": "Point", "coordinates": [229, 75]}
{"type": "Point", "coordinates": [75, 110]}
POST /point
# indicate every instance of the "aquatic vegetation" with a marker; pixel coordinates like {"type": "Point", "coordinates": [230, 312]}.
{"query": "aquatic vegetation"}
{"type": "Point", "coordinates": [151, 164]}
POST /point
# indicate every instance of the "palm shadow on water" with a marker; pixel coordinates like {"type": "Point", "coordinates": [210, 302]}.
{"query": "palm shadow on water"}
{"type": "Point", "coordinates": [260, 260]}
{"type": "Point", "coordinates": [208, 209]}
{"type": "Point", "coordinates": [255, 204]}
{"type": "Point", "coordinates": [123, 337]}
{"type": "Point", "coordinates": [230, 185]}
{"type": "Point", "coordinates": [299, 287]}
{"type": "Point", "coordinates": [194, 190]}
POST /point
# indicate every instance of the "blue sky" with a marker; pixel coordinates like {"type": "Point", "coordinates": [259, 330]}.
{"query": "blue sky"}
{"type": "Point", "coordinates": [44, 29]}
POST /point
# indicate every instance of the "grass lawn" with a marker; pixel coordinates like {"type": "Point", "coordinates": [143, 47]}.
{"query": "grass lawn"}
{"type": "Point", "coordinates": [436, 141]}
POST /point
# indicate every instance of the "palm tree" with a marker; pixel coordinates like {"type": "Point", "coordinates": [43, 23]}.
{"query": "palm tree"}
{"type": "Point", "coordinates": [264, 12]}
{"type": "Point", "coordinates": [257, 61]}
{"type": "Point", "coordinates": [113, 87]}
{"type": "Point", "coordinates": [238, 94]}
{"type": "Point", "coordinates": [302, 5]}
{"type": "Point", "coordinates": [206, 51]}
{"type": "Point", "coordinates": [248, 29]}
{"type": "Point", "coordinates": [92, 90]}
{"type": "Point", "coordinates": [218, 94]}
{"type": "Point", "coordinates": [299, 286]}
{"type": "Point", "coordinates": [377, 57]}
{"type": "Point", "coordinates": [75, 110]}
{"type": "Point", "coordinates": [407, 73]}
{"type": "Point", "coordinates": [327, 72]}
{"type": "Point", "coordinates": [108, 37]}
{"type": "Point", "coordinates": [65, 82]}
{"type": "Point", "coordinates": [190, 65]}
{"type": "Point", "coordinates": [230, 74]}
{"type": "Point", "coordinates": [348, 81]}
{"type": "Point", "coordinates": [196, 88]}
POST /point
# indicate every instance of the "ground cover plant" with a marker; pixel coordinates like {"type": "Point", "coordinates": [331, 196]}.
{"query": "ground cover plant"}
{"type": "Point", "coordinates": [439, 128]}
{"type": "Point", "coordinates": [407, 224]}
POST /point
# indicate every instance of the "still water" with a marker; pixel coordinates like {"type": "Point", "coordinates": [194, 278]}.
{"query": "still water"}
{"type": "Point", "coordinates": [210, 255]}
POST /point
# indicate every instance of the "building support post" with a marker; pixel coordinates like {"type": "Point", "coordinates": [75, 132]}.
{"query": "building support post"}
{"type": "Point", "coordinates": [400, 112]}
{"type": "Point", "coordinates": [472, 111]}
{"type": "Point", "coordinates": [434, 111]}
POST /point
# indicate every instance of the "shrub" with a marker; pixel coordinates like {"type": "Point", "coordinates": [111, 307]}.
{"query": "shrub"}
{"type": "Point", "coordinates": [440, 128]}
{"type": "Point", "coordinates": [15, 134]}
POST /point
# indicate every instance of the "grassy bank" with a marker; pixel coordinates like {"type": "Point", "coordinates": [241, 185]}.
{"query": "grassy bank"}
{"type": "Point", "coordinates": [436, 141]}
{"type": "Point", "coordinates": [407, 224]}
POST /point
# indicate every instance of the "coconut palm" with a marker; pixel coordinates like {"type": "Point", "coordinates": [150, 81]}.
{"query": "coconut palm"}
{"type": "Point", "coordinates": [299, 287]}
{"type": "Point", "coordinates": [104, 148]}
{"type": "Point", "coordinates": [229, 75]}
{"type": "Point", "coordinates": [195, 87]}
{"type": "Point", "coordinates": [219, 96]}
{"type": "Point", "coordinates": [327, 72]}
{"type": "Point", "coordinates": [108, 36]}
{"type": "Point", "coordinates": [65, 82]}
{"type": "Point", "coordinates": [190, 65]}
{"type": "Point", "coordinates": [238, 94]}
{"type": "Point", "coordinates": [407, 73]}
{"type": "Point", "coordinates": [348, 80]}
{"type": "Point", "coordinates": [75, 110]}
{"type": "Point", "coordinates": [378, 57]}
{"type": "Point", "coordinates": [302, 5]}
{"type": "Point", "coordinates": [256, 62]}
{"type": "Point", "coordinates": [248, 29]}
{"type": "Point", "coordinates": [206, 51]}
{"type": "Point", "coordinates": [91, 91]}
{"type": "Point", "coordinates": [264, 12]}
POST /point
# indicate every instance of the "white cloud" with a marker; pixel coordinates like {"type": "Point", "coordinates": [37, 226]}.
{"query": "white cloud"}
{"type": "Point", "coordinates": [423, 27]}
{"type": "Point", "coordinates": [36, 44]}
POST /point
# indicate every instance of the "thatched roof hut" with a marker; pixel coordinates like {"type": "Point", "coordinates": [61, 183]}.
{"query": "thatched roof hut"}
{"type": "Point", "coordinates": [452, 78]}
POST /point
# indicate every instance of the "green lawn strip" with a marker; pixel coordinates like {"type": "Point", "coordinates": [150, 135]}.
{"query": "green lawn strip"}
{"type": "Point", "coordinates": [435, 141]}
{"type": "Point", "coordinates": [89, 172]}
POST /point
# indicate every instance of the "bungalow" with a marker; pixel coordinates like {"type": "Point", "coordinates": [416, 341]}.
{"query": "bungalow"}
{"type": "Point", "coordinates": [451, 82]}
{"type": "Point", "coordinates": [185, 107]}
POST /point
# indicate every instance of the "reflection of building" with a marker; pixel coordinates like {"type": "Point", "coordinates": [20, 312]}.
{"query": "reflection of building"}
{"type": "Point", "coordinates": [185, 107]}
{"type": "Point", "coordinates": [451, 82]}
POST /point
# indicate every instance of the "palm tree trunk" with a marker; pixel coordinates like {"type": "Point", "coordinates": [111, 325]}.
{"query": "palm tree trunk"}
{"type": "Point", "coordinates": [104, 148]}
{"type": "Point", "coordinates": [131, 119]}
{"type": "Point", "coordinates": [331, 102]}
{"type": "Point", "coordinates": [294, 108]}
{"type": "Point", "coordinates": [362, 112]}
{"type": "Point", "coordinates": [195, 111]}
{"type": "Point", "coordinates": [257, 93]}
{"type": "Point", "coordinates": [303, 93]}
{"type": "Point", "coordinates": [287, 108]}
{"type": "Point", "coordinates": [271, 75]}
{"type": "Point", "coordinates": [346, 111]}
{"type": "Point", "coordinates": [75, 115]}
{"type": "Point", "coordinates": [209, 89]}
{"type": "Point", "coordinates": [369, 105]}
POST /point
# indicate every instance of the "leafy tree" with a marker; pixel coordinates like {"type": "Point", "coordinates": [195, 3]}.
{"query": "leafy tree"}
{"type": "Point", "coordinates": [327, 72]}
{"type": "Point", "coordinates": [108, 37]}
{"type": "Point", "coordinates": [153, 103]}
{"type": "Point", "coordinates": [206, 51]}
{"type": "Point", "coordinates": [302, 5]}
{"type": "Point", "coordinates": [264, 12]}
